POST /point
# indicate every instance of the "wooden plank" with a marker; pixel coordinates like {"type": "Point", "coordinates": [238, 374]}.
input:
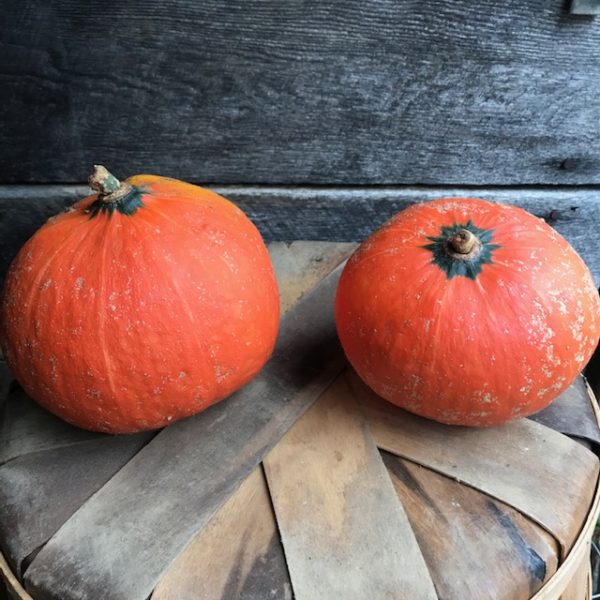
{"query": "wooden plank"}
{"type": "Point", "coordinates": [572, 413]}
{"type": "Point", "coordinates": [344, 533]}
{"type": "Point", "coordinates": [585, 7]}
{"type": "Point", "coordinates": [578, 588]}
{"type": "Point", "coordinates": [131, 530]}
{"type": "Point", "coordinates": [25, 427]}
{"type": "Point", "coordinates": [326, 213]}
{"type": "Point", "coordinates": [237, 555]}
{"type": "Point", "coordinates": [475, 547]}
{"type": "Point", "coordinates": [40, 491]}
{"type": "Point", "coordinates": [14, 589]}
{"type": "Point", "coordinates": [578, 554]}
{"type": "Point", "coordinates": [519, 464]}
{"type": "Point", "coordinates": [315, 91]}
{"type": "Point", "coordinates": [300, 265]}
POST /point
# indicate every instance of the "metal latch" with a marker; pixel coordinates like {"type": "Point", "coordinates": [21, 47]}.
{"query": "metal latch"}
{"type": "Point", "coordinates": [585, 7]}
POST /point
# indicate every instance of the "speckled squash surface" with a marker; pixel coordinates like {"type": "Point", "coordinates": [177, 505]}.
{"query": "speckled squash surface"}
{"type": "Point", "coordinates": [143, 304]}
{"type": "Point", "coordinates": [467, 312]}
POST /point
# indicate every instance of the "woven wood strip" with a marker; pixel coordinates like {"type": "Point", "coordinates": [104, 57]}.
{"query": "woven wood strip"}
{"type": "Point", "coordinates": [344, 532]}
{"type": "Point", "coordinates": [542, 473]}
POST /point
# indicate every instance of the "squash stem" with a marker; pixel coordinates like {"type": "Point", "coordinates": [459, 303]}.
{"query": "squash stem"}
{"type": "Point", "coordinates": [102, 181]}
{"type": "Point", "coordinates": [463, 241]}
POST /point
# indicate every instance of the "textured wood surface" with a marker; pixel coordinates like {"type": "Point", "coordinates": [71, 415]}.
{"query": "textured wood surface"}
{"type": "Point", "coordinates": [580, 553]}
{"type": "Point", "coordinates": [239, 554]}
{"type": "Point", "coordinates": [40, 491]}
{"type": "Point", "coordinates": [579, 586]}
{"type": "Point", "coordinates": [339, 519]}
{"type": "Point", "coordinates": [503, 462]}
{"type": "Point", "coordinates": [175, 484]}
{"type": "Point", "coordinates": [313, 213]}
{"type": "Point", "coordinates": [572, 413]}
{"type": "Point", "coordinates": [475, 547]}
{"type": "Point", "coordinates": [25, 427]}
{"type": "Point", "coordinates": [301, 265]}
{"type": "Point", "coordinates": [317, 91]}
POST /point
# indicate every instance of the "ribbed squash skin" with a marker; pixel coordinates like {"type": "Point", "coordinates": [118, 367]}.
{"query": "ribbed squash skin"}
{"type": "Point", "coordinates": [123, 322]}
{"type": "Point", "coordinates": [476, 349]}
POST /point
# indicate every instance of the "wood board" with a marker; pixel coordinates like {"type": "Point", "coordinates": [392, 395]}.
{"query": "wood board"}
{"type": "Point", "coordinates": [493, 455]}
{"type": "Point", "coordinates": [40, 491]}
{"type": "Point", "coordinates": [324, 213]}
{"type": "Point", "coordinates": [473, 544]}
{"type": "Point", "coordinates": [344, 532]}
{"type": "Point", "coordinates": [237, 555]}
{"type": "Point", "coordinates": [333, 91]}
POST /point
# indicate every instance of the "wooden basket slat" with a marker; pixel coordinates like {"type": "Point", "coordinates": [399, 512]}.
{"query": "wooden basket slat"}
{"type": "Point", "coordinates": [344, 533]}
{"type": "Point", "coordinates": [510, 463]}
{"type": "Point", "coordinates": [475, 546]}
{"type": "Point", "coordinates": [40, 491]}
{"type": "Point", "coordinates": [572, 413]}
{"type": "Point", "coordinates": [25, 427]}
{"type": "Point", "coordinates": [580, 552]}
{"type": "Point", "coordinates": [13, 586]}
{"type": "Point", "coordinates": [300, 266]}
{"type": "Point", "coordinates": [579, 587]}
{"type": "Point", "coordinates": [565, 577]}
{"type": "Point", "coordinates": [237, 555]}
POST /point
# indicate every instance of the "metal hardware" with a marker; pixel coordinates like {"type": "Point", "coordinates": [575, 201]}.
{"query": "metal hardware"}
{"type": "Point", "coordinates": [585, 7]}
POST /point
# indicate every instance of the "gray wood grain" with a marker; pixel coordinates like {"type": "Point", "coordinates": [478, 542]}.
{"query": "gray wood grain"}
{"type": "Point", "coordinates": [325, 213]}
{"type": "Point", "coordinates": [40, 491]}
{"type": "Point", "coordinates": [238, 555]}
{"type": "Point", "coordinates": [26, 427]}
{"type": "Point", "coordinates": [128, 533]}
{"type": "Point", "coordinates": [572, 414]}
{"type": "Point", "coordinates": [312, 91]}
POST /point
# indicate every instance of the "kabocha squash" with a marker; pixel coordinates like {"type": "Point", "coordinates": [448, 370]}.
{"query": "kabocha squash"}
{"type": "Point", "coordinates": [142, 304]}
{"type": "Point", "coordinates": [467, 312]}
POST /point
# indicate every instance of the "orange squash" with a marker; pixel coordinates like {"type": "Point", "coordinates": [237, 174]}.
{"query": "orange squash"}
{"type": "Point", "coordinates": [142, 304]}
{"type": "Point", "coordinates": [467, 312]}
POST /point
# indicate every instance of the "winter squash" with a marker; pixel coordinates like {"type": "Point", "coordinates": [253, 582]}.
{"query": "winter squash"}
{"type": "Point", "coordinates": [142, 304]}
{"type": "Point", "coordinates": [467, 312]}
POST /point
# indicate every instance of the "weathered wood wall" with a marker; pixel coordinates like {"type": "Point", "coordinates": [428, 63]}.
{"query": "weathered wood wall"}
{"type": "Point", "coordinates": [323, 213]}
{"type": "Point", "coordinates": [302, 91]}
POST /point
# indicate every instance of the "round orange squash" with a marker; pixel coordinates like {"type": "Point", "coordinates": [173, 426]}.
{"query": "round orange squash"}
{"type": "Point", "coordinates": [143, 304]}
{"type": "Point", "coordinates": [467, 312]}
